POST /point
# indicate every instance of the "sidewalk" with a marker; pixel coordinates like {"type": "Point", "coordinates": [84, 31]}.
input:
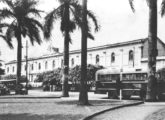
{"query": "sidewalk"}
{"type": "Point", "coordinates": [54, 109]}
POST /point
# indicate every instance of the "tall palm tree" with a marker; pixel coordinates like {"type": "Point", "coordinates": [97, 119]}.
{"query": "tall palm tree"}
{"type": "Point", "coordinates": [85, 30]}
{"type": "Point", "coordinates": [152, 49]}
{"type": "Point", "coordinates": [83, 96]}
{"type": "Point", "coordinates": [22, 14]}
{"type": "Point", "coordinates": [69, 12]}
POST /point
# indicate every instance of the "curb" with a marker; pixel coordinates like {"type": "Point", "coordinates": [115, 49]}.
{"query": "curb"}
{"type": "Point", "coordinates": [110, 109]}
{"type": "Point", "coordinates": [28, 97]}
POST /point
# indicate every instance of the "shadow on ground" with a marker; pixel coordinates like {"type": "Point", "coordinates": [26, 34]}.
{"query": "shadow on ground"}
{"type": "Point", "coordinates": [38, 117]}
{"type": "Point", "coordinates": [91, 102]}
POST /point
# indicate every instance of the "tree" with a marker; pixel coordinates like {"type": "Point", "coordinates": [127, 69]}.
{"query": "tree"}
{"type": "Point", "coordinates": [86, 33]}
{"type": "Point", "coordinates": [152, 49]}
{"type": "Point", "coordinates": [69, 12]}
{"type": "Point", "coordinates": [68, 25]}
{"type": "Point", "coordinates": [22, 14]}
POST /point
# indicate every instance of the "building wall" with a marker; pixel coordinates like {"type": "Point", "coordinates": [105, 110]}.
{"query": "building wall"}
{"type": "Point", "coordinates": [104, 58]}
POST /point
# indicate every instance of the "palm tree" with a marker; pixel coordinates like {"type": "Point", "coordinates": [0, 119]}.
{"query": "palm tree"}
{"type": "Point", "coordinates": [152, 49]}
{"type": "Point", "coordinates": [69, 12]}
{"type": "Point", "coordinates": [22, 14]}
{"type": "Point", "coordinates": [85, 31]}
{"type": "Point", "coordinates": [83, 96]}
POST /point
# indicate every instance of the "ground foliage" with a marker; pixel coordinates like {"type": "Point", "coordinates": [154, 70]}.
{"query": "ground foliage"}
{"type": "Point", "coordinates": [54, 77]}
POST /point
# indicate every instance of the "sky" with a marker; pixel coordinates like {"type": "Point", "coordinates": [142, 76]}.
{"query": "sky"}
{"type": "Point", "coordinates": [118, 24]}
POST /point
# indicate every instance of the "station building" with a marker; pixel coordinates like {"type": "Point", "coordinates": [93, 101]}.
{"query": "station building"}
{"type": "Point", "coordinates": [132, 55]}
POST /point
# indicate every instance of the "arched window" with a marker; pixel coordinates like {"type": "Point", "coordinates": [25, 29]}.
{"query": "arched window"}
{"type": "Point", "coordinates": [131, 55]}
{"type": "Point", "coordinates": [46, 65]}
{"type": "Point", "coordinates": [72, 62]}
{"type": "Point", "coordinates": [25, 67]}
{"type": "Point", "coordinates": [39, 66]}
{"type": "Point", "coordinates": [32, 67]}
{"type": "Point", "coordinates": [97, 59]}
{"type": "Point", "coordinates": [113, 57]}
{"type": "Point", "coordinates": [53, 64]}
{"type": "Point", "coordinates": [62, 62]}
{"type": "Point", "coordinates": [13, 69]}
{"type": "Point", "coordinates": [7, 69]}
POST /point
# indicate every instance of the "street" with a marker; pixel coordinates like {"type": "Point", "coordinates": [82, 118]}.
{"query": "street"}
{"type": "Point", "coordinates": [39, 105]}
{"type": "Point", "coordinates": [140, 112]}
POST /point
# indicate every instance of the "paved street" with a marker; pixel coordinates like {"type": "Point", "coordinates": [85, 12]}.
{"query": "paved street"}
{"type": "Point", "coordinates": [140, 112]}
{"type": "Point", "coordinates": [25, 107]}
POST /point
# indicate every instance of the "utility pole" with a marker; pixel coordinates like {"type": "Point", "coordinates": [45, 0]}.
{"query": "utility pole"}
{"type": "Point", "coordinates": [27, 66]}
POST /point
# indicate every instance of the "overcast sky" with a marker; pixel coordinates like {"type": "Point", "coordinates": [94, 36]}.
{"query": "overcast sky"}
{"type": "Point", "coordinates": [118, 24]}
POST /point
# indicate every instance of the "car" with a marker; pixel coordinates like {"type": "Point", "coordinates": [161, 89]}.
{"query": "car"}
{"type": "Point", "coordinates": [21, 89]}
{"type": "Point", "coordinates": [4, 90]}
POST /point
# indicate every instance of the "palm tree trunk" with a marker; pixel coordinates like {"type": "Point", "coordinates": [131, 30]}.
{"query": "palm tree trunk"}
{"type": "Point", "coordinates": [65, 87]}
{"type": "Point", "coordinates": [152, 51]}
{"type": "Point", "coordinates": [65, 67]}
{"type": "Point", "coordinates": [83, 96]}
{"type": "Point", "coordinates": [19, 58]}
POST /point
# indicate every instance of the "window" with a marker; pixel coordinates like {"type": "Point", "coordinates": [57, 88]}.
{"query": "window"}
{"type": "Point", "coordinates": [97, 59]}
{"type": "Point", "coordinates": [25, 67]}
{"type": "Point", "coordinates": [32, 67]}
{"type": "Point", "coordinates": [131, 55]}
{"type": "Point", "coordinates": [62, 62]}
{"type": "Point", "coordinates": [113, 57]}
{"type": "Point", "coordinates": [53, 64]}
{"type": "Point", "coordinates": [13, 69]}
{"type": "Point", "coordinates": [39, 66]}
{"type": "Point", "coordinates": [7, 69]}
{"type": "Point", "coordinates": [72, 61]}
{"type": "Point", "coordinates": [46, 65]}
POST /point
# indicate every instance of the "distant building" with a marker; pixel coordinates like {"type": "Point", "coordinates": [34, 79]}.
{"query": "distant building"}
{"type": "Point", "coordinates": [125, 55]}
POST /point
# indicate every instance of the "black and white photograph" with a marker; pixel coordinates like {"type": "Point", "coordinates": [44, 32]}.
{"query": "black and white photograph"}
{"type": "Point", "coordinates": [82, 59]}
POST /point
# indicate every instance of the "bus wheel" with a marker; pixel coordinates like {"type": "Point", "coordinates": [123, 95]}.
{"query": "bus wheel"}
{"type": "Point", "coordinates": [142, 94]}
{"type": "Point", "coordinates": [126, 96]}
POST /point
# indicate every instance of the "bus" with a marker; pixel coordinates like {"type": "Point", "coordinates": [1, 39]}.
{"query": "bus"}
{"type": "Point", "coordinates": [107, 80]}
{"type": "Point", "coordinates": [127, 83]}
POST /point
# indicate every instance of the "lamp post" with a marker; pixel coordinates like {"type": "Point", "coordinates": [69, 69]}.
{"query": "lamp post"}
{"type": "Point", "coordinates": [27, 66]}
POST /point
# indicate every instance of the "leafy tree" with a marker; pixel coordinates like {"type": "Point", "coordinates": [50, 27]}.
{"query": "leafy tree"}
{"type": "Point", "coordinates": [22, 14]}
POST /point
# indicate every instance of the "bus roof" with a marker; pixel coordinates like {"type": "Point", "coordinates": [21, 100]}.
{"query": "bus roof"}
{"type": "Point", "coordinates": [118, 71]}
{"type": "Point", "coordinates": [108, 71]}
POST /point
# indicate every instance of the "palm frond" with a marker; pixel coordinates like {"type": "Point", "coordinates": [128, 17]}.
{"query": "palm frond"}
{"type": "Point", "coordinates": [34, 22]}
{"type": "Point", "coordinates": [31, 28]}
{"type": "Point", "coordinates": [132, 5]}
{"type": "Point", "coordinates": [90, 36]}
{"type": "Point", "coordinates": [93, 17]}
{"type": "Point", "coordinates": [49, 20]}
{"type": "Point", "coordinates": [7, 41]}
{"type": "Point", "coordinates": [162, 8]}
{"type": "Point", "coordinates": [76, 10]}
{"type": "Point", "coordinates": [10, 32]}
{"type": "Point", "coordinates": [9, 3]}
{"type": "Point", "coordinates": [34, 12]}
{"type": "Point", "coordinates": [6, 13]}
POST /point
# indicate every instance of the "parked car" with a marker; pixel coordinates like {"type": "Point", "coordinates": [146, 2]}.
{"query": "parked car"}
{"type": "Point", "coordinates": [21, 89]}
{"type": "Point", "coordinates": [4, 90]}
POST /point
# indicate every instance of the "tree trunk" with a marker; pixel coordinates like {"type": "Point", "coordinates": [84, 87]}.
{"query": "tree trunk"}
{"type": "Point", "coordinates": [152, 51]}
{"type": "Point", "coordinates": [19, 58]}
{"type": "Point", "coordinates": [83, 96]}
{"type": "Point", "coordinates": [65, 87]}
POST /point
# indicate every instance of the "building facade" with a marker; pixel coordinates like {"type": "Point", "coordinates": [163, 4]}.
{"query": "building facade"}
{"type": "Point", "coordinates": [126, 55]}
